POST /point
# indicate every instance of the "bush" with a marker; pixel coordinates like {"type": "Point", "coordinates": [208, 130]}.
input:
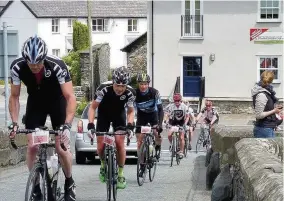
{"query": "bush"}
{"type": "Point", "coordinates": [80, 36]}
{"type": "Point", "coordinates": [81, 106]}
{"type": "Point", "coordinates": [73, 61]}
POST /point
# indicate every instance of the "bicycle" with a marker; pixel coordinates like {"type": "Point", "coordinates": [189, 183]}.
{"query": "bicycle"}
{"type": "Point", "coordinates": [146, 156]}
{"type": "Point", "coordinates": [175, 144]}
{"type": "Point", "coordinates": [50, 189]}
{"type": "Point", "coordinates": [187, 138]}
{"type": "Point", "coordinates": [204, 137]}
{"type": "Point", "coordinates": [111, 169]}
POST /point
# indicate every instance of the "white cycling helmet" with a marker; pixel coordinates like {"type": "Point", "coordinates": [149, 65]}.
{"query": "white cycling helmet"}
{"type": "Point", "coordinates": [121, 75]}
{"type": "Point", "coordinates": [34, 50]}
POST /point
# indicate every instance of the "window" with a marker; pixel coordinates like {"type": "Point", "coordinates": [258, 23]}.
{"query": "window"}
{"type": "Point", "coordinates": [100, 25]}
{"type": "Point", "coordinates": [192, 19]}
{"type": "Point", "coordinates": [56, 52]}
{"type": "Point", "coordinates": [55, 25]}
{"type": "Point", "coordinates": [269, 10]}
{"type": "Point", "coordinates": [70, 25]}
{"type": "Point", "coordinates": [269, 63]}
{"type": "Point", "coordinates": [132, 25]}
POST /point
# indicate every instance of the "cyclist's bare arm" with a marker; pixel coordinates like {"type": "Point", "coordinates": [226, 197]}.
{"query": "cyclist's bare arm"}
{"type": "Point", "coordinates": [91, 113]}
{"type": "Point", "coordinates": [198, 116]}
{"type": "Point", "coordinates": [68, 93]}
{"type": "Point", "coordinates": [130, 109]}
{"type": "Point", "coordinates": [192, 117]}
{"type": "Point", "coordinates": [14, 104]}
{"type": "Point", "coordinates": [213, 119]}
{"type": "Point", "coordinates": [186, 119]}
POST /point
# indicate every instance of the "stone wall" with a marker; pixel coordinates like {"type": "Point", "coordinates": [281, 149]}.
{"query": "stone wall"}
{"type": "Point", "coordinates": [137, 56]}
{"type": "Point", "coordinates": [101, 61]}
{"type": "Point", "coordinates": [8, 155]}
{"type": "Point", "coordinates": [81, 92]}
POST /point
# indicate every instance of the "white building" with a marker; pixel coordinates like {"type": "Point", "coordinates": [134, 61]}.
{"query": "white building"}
{"type": "Point", "coordinates": [211, 39]}
{"type": "Point", "coordinates": [113, 22]}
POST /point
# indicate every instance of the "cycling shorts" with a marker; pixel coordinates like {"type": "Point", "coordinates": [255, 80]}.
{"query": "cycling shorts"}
{"type": "Point", "coordinates": [38, 108]}
{"type": "Point", "coordinates": [144, 118]}
{"type": "Point", "coordinates": [174, 122]}
{"type": "Point", "coordinates": [103, 122]}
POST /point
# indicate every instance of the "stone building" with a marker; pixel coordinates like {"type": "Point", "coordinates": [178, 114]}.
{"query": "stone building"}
{"type": "Point", "coordinates": [137, 54]}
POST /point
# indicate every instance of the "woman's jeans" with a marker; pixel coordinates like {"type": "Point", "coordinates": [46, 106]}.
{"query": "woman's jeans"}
{"type": "Point", "coordinates": [261, 132]}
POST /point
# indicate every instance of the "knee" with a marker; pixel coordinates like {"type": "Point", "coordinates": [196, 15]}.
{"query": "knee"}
{"type": "Point", "coordinates": [33, 149]}
{"type": "Point", "coordinates": [120, 144]}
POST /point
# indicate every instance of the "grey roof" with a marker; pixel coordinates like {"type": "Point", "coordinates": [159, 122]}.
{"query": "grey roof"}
{"type": "Point", "coordinates": [128, 47]}
{"type": "Point", "coordinates": [4, 5]}
{"type": "Point", "coordinates": [106, 8]}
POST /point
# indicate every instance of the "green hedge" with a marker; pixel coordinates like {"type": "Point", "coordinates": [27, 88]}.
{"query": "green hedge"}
{"type": "Point", "coordinates": [81, 106]}
{"type": "Point", "coordinates": [73, 61]}
{"type": "Point", "coordinates": [80, 36]}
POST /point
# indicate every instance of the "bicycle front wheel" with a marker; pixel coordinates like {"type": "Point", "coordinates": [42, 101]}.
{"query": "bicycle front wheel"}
{"type": "Point", "coordinates": [108, 173]}
{"type": "Point", "coordinates": [186, 143]}
{"type": "Point", "coordinates": [114, 176]}
{"type": "Point", "coordinates": [199, 142]}
{"type": "Point", "coordinates": [37, 178]}
{"type": "Point", "coordinates": [177, 152]}
{"type": "Point", "coordinates": [152, 165]}
{"type": "Point", "coordinates": [173, 149]}
{"type": "Point", "coordinates": [141, 162]}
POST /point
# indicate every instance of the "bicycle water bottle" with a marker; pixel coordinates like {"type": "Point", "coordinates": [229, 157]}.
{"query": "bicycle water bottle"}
{"type": "Point", "coordinates": [54, 163]}
{"type": "Point", "coordinates": [151, 149]}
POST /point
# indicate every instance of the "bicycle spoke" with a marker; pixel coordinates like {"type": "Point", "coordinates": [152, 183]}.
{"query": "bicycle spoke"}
{"type": "Point", "coordinates": [141, 161]}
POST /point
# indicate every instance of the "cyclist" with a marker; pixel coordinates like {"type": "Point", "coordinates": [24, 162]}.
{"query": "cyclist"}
{"type": "Point", "coordinates": [111, 98]}
{"type": "Point", "coordinates": [190, 123]}
{"type": "Point", "coordinates": [50, 92]}
{"type": "Point", "coordinates": [149, 110]}
{"type": "Point", "coordinates": [210, 114]}
{"type": "Point", "coordinates": [178, 116]}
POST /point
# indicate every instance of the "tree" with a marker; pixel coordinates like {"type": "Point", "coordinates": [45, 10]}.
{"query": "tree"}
{"type": "Point", "coordinates": [80, 36]}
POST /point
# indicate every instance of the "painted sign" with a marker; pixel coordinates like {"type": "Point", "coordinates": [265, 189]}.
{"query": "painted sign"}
{"type": "Point", "coordinates": [264, 36]}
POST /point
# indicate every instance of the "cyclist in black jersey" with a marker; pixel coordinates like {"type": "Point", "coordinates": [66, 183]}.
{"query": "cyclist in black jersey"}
{"type": "Point", "coordinates": [50, 92]}
{"type": "Point", "coordinates": [149, 110]}
{"type": "Point", "coordinates": [112, 99]}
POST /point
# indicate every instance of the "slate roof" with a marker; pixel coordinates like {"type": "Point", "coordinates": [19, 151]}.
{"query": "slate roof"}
{"type": "Point", "coordinates": [71, 8]}
{"type": "Point", "coordinates": [128, 47]}
{"type": "Point", "coordinates": [4, 5]}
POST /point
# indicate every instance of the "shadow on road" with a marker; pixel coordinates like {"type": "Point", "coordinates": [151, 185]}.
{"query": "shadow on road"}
{"type": "Point", "coordinates": [198, 179]}
{"type": "Point", "coordinates": [129, 161]}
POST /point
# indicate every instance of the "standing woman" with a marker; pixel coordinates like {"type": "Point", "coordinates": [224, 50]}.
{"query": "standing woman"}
{"type": "Point", "coordinates": [265, 108]}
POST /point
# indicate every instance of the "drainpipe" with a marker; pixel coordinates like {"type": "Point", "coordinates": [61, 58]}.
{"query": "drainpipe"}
{"type": "Point", "coordinates": [152, 40]}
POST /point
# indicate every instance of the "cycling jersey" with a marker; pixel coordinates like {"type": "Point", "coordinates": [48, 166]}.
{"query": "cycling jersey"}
{"type": "Point", "coordinates": [149, 107]}
{"type": "Point", "coordinates": [45, 95]}
{"type": "Point", "coordinates": [112, 107]}
{"type": "Point", "coordinates": [208, 115]}
{"type": "Point", "coordinates": [177, 113]}
{"type": "Point", "coordinates": [54, 74]}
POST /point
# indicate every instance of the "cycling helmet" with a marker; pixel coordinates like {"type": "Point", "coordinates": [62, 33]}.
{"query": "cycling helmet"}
{"type": "Point", "coordinates": [143, 77]}
{"type": "Point", "coordinates": [120, 75]}
{"type": "Point", "coordinates": [208, 103]}
{"type": "Point", "coordinates": [34, 50]}
{"type": "Point", "coordinates": [177, 97]}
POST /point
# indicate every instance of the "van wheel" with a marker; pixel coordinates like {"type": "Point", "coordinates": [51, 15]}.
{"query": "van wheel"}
{"type": "Point", "coordinates": [80, 157]}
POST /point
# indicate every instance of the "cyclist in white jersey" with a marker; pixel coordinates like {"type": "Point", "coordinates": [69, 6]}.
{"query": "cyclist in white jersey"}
{"type": "Point", "coordinates": [178, 116]}
{"type": "Point", "coordinates": [209, 114]}
{"type": "Point", "coordinates": [190, 123]}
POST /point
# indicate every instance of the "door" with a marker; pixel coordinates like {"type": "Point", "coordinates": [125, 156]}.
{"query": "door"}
{"type": "Point", "coordinates": [192, 73]}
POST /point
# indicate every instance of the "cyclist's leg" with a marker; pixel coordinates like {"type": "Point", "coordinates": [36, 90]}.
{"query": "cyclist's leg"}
{"type": "Point", "coordinates": [57, 112]}
{"type": "Point", "coordinates": [171, 123]}
{"type": "Point", "coordinates": [181, 138]}
{"type": "Point", "coordinates": [120, 121]}
{"type": "Point", "coordinates": [103, 124]}
{"type": "Point", "coordinates": [35, 117]}
{"type": "Point", "coordinates": [153, 119]}
{"type": "Point", "coordinates": [139, 137]}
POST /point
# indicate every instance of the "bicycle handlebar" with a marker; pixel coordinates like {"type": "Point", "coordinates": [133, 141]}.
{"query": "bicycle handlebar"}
{"type": "Point", "coordinates": [27, 131]}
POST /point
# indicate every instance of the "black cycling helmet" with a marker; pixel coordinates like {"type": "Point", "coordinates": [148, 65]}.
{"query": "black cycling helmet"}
{"type": "Point", "coordinates": [143, 77]}
{"type": "Point", "coordinates": [120, 75]}
{"type": "Point", "coordinates": [34, 50]}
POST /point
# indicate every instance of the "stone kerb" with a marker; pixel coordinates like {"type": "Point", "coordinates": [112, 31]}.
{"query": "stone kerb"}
{"type": "Point", "coordinates": [8, 155]}
{"type": "Point", "coordinates": [261, 165]}
{"type": "Point", "coordinates": [225, 137]}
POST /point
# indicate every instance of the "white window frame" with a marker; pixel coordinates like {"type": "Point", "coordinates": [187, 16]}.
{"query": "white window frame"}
{"type": "Point", "coordinates": [259, 19]}
{"type": "Point", "coordinates": [70, 25]}
{"type": "Point", "coordinates": [192, 34]}
{"type": "Point", "coordinates": [132, 25]}
{"type": "Point", "coordinates": [56, 52]}
{"type": "Point", "coordinates": [105, 25]}
{"type": "Point", "coordinates": [279, 68]}
{"type": "Point", "coordinates": [53, 25]}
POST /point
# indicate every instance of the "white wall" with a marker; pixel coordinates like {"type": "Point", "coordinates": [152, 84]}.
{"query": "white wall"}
{"type": "Point", "coordinates": [226, 34]}
{"type": "Point", "coordinates": [20, 18]}
{"type": "Point", "coordinates": [115, 37]}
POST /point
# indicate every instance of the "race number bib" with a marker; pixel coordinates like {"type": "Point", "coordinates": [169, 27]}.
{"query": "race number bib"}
{"type": "Point", "coordinates": [40, 137]}
{"type": "Point", "coordinates": [109, 140]}
{"type": "Point", "coordinates": [146, 129]}
{"type": "Point", "coordinates": [174, 128]}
